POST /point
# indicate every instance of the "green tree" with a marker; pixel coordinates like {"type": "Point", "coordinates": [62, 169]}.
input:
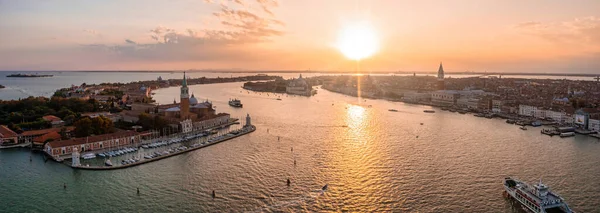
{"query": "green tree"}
{"type": "Point", "coordinates": [101, 125]}
{"type": "Point", "coordinates": [63, 133]}
{"type": "Point", "coordinates": [83, 127]}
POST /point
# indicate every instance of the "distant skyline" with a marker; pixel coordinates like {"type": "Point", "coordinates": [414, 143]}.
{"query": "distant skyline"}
{"type": "Point", "coordinates": [544, 36]}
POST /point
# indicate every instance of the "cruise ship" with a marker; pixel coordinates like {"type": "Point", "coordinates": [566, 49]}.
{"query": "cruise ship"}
{"type": "Point", "coordinates": [537, 198]}
{"type": "Point", "coordinates": [235, 103]}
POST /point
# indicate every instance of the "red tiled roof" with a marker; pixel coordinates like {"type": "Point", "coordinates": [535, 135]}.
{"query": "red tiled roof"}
{"type": "Point", "coordinates": [5, 132]}
{"type": "Point", "coordinates": [91, 139]}
{"type": "Point", "coordinates": [45, 131]}
{"type": "Point", "coordinates": [51, 135]}
{"type": "Point", "coordinates": [51, 118]}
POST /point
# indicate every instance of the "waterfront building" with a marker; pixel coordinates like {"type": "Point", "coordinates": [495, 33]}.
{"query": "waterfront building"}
{"type": "Point", "coordinates": [440, 78]}
{"type": "Point", "coordinates": [556, 115]}
{"type": "Point", "coordinates": [583, 115]}
{"type": "Point", "coordinates": [527, 110]}
{"type": "Point", "coordinates": [64, 148]}
{"type": "Point", "coordinates": [415, 97]}
{"type": "Point", "coordinates": [219, 119]}
{"type": "Point", "coordinates": [445, 97]}
{"type": "Point", "coordinates": [299, 86]}
{"type": "Point", "coordinates": [186, 126]}
{"type": "Point", "coordinates": [594, 125]}
{"type": "Point", "coordinates": [497, 106]}
{"type": "Point", "coordinates": [7, 136]}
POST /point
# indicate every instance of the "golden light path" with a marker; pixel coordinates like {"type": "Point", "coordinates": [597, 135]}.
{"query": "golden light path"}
{"type": "Point", "coordinates": [358, 41]}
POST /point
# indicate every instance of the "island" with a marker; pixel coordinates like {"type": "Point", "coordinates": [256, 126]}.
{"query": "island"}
{"type": "Point", "coordinates": [27, 76]}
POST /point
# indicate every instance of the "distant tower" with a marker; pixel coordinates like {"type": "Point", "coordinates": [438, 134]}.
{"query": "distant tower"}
{"type": "Point", "coordinates": [184, 106]}
{"type": "Point", "coordinates": [440, 80]}
{"type": "Point", "coordinates": [75, 157]}
{"type": "Point", "coordinates": [248, 120]}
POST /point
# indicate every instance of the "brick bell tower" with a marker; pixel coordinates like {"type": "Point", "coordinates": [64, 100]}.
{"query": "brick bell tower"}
{"type": "Point", "coordinates": [185, 99]}
{"type": "Point", "coordinates": [440, 78]}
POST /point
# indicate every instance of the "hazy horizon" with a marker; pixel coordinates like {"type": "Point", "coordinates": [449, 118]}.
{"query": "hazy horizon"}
{"type": "Point", "coordinates": [222, 35]}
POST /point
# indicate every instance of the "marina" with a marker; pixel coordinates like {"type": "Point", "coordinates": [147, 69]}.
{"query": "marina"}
{"type": "Point", "coordinates": [108, 165]}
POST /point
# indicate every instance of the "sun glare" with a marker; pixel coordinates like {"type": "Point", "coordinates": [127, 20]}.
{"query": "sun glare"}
{"type": "Point", "coordinates": [357, 41]}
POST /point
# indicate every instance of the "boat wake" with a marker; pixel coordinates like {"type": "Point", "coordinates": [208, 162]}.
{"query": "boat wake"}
{"type": "Point", "coordinates": [311, 197]}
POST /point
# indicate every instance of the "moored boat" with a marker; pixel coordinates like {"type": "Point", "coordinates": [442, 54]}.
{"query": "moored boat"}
{"type": "Point", "coordinates": [429, 111]}
{"type": "Point", "coordinates": [523, 128]}
{"type": "Point", "coordinates": [89, 156]}
{"type": "Point", "coordinates": [108, 163]}
{"type": "Point", "coordinates": [537, 198]}
{"type": "Point", "coordinates": [393, 110]}
{"type": "Point", "coordinates": [567, 134]}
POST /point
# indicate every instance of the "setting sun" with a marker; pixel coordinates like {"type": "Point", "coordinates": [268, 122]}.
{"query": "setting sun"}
{"type": "Point", "coordinates": [357, 41]}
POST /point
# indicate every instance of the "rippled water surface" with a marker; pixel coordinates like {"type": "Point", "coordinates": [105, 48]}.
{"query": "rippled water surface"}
{"type": "Point", "coordinates": [373, 160]}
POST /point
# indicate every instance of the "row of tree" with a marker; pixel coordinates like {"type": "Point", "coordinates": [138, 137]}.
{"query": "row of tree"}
{"type": "Point", "coordinates": [93, 126]}
{"type": "Point", "coordinates": [27, 113]}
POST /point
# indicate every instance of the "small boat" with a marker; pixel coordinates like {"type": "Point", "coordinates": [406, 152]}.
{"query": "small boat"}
{"type": "Point", "coordinates": [567, 134]}
{"type": "Point", "coordinates": [421, 123]}
{"type": "Point", "coordinates": [108, 163]}
{"type": "Point", "coordinates": [523, 128]}
{"type": "Point", "coordinates": [325, 187]}
{"type": "Point", "coordinates": [89, 156]}
{"type": "Point", "coordinates": [429, 111]}
{"type": "Point", "coordinates": [393, 110]}
{"type": "Point", "coordinates": [235, 103]}
{"type": "Point", "coordinates": [279, 99]}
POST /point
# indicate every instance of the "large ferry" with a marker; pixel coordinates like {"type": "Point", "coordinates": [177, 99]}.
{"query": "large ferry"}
{"type": "Point", "coordinates": [537, 198]}
{"type": "Point", "coordinates": [235, 103]}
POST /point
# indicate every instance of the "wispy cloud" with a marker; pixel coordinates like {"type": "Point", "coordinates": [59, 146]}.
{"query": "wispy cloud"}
{"type": "Point", "coordinates": [241, 27]}
{"type": "Point", "coordinates": [580, 31]}
{"type": "Point", "coordinates": [92, 32]}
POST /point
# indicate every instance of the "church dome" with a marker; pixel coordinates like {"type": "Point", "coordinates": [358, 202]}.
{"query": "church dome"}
{"type": "Point", "coordinates": [193, 100]}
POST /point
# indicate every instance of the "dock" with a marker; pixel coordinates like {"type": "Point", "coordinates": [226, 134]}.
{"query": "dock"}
{"type": "Point", "coordinates": [245, 130]}
{"type": "Point", "coordinates": [551, 132]}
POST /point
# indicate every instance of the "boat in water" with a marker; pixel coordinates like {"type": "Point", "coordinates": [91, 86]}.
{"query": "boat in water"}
{"type": "Point", "coordinates": [108, 163]}
{"type": "Point", "coordinates": [537, 198]}
{"type": "Point", "coordinates": [393, 110]}
{"type": "Point", "coordinates": [235, 103]}
{"type": "Point", "coordinates": [523, 128]}
{"type": "Point", "coordinates": [567, 134]}
{"type": "Point", "coordinates": [89, 156]}
{"type": "Point", "coordinates": [429, 111]}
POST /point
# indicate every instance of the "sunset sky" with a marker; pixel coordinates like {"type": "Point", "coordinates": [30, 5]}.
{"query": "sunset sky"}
{"type": "Point", "coordinates": [474, 35]}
